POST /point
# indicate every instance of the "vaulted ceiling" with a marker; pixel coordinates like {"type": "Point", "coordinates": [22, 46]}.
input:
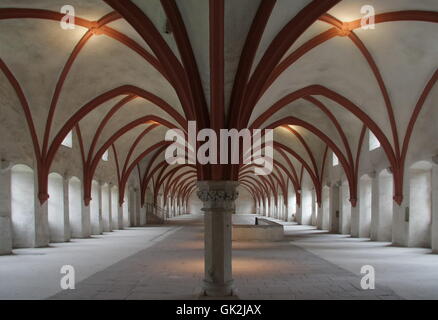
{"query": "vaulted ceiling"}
{"type": "Point", "coordinates": [130, 70]}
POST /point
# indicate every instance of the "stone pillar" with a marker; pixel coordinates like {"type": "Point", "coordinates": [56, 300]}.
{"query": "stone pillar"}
{"type": "Point", "coordinates": [345, 210]}
{"type": "Point", "coordinates": [299, 213]}
{"type": "Point", "coordinates": [96, 209]}
{"type": "Point", "coordinates": [42, 232]}
{"type": "Point", "coordinates": [400, 216]}
{"type": "Point", "coordinates": [272, 209]}
{"type": "Point", "coordinates": [435, 206]}
{"type": "Point", "coordinates": [179, 204]}
{"type": "Point", "coordinates": [86, 221]}
{"type": "Point", "coordinates": [67, 230]}
{"type": "Point", "coordinates": [319, 216]}
{"type": "Point", "coordinates": [170, 207]}
{"type": "Point", "coordinates": [5, 208]}
{"type": "Point", "coordinates": [334, 208]}
{"type": "Point", "coordinates": [267, 207]}
{"type": "Point", "coordinates": [314, 215]}
{"type": "Point", "coordinates": [120, 217]}
{"type": "Point", "coordinates": [218, 198]}
{"type": "Point", "coordinates": [100, 201]}
{"type": "Point", "coordinates": [375, 207]}
{"type": "Point", "coordinates": [107, 215]}
{"type": "Point", "coordinates": [284, 210]}
{"type": "Point", "coordinates": [143, 215]}
{"type": "Point", "coordinates": [131, 208]}
{"type": "Point", "coordinates": [138, 219]}
{"type": "Point", "coordinates": [280, 207]}
{"type": "Point", "coordinates": [355, 215]}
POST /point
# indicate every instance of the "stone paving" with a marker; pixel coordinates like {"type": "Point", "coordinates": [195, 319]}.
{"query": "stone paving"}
{"type": "Point", "coordinates": [173, 269]}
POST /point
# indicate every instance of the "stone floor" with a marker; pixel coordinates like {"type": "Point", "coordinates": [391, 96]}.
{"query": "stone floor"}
{"type": "Point", "coordinates": [412, 273]}
{"type": "Point", "coordinates": [173, 268]}
{"type": "Point", "coordinates": [167, 263]}
{"type": "Point", "coordinates": [35, 273]}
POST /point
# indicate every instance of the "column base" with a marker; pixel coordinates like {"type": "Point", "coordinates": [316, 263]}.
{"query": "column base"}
{"type": "Point", "coordinates": [210, 289]}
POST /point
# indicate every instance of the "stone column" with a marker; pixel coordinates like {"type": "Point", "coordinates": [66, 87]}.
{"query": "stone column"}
{"type": "Point", "coordinates": [138, 213]}
{"type": "Point", "coordinates": [299, 213]}
{"type": "Point", "coordinates": [169, 207]}
{"type": "Point", "coordinates": [280, 207]}
{"type": "Point", "coordinates": [400, 216]}
{"type": "Point", "coordinates": [272, 210]}
{"type": "Point", "coordinates": [143, 215]}
{"type": "Point", "coordinates": [375, 206]}
{"type": "Point", "coordinates": [131, 208]}
{"type": "Point", "coordinates": [85, 217]}
{"type": "Point", "coordinates": [284, 210]}
{"type": "Point", "coordinates": [219, 203]}
{"type": "Point", "coordinates": [435, 205]}
{"type": "Point", "coordinates": [334, 208]}
{"type": "Point", "coordinates": [86, 221]}
{"type": "Point", "coordinates": [319, 216]}
{"type": "Point", "coordinates": [107, 216]}
{"type": "Point", "coordinates": [345, 210]}
{"type": "Point", "coordinates": [42, 233]}
{"type": "Point", "coordinates": [355, 215]}
{"type": "Point", "coordinates": [268, 207]}
{"type": "Point", "coordinates": [120, 223]}
{"type": "Point", "coordinates": [67, 230]}
{"type": "Point", "coordinates": [314, 216]}
{"type": "Point", "coordinates": [100, 201]}
{"type": "Point", "coordinates": [5, 208]}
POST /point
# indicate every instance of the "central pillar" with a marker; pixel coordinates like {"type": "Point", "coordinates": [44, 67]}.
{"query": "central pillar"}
{"type": "Point", "coordinates": [218, 198]}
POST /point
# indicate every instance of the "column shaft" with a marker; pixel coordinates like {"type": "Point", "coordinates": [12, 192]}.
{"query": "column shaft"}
{"type": "Point", "coordinates": [5, 212]}
{"type": "Point", "coordinates": [219, 203]}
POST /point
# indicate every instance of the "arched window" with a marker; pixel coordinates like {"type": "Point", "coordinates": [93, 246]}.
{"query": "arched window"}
{"type": "Point", "coordinates": [105, 156]}
{"type": "Point", "coordinates": [373, 142]}
{"type": "Point", "coordinates": [68, 140]}
{"type": "Point", "coordinates": [335, 160]}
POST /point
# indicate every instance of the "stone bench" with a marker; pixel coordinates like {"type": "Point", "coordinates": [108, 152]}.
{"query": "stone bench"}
{"type": "Point", "coordinates": [263, 230]}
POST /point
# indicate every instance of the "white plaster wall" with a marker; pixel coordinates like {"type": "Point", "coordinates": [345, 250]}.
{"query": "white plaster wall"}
{"type": "Point", "coordinates": [245, 203]}
{"type": "Point", "coordinates": [195, 205]}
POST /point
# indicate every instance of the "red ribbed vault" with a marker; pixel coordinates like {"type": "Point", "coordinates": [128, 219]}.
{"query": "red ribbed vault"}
{"type": "Point", "coordinates": [182, 78]}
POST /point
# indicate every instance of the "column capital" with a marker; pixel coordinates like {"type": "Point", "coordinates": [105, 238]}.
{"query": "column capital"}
{"type": "Point", "coordinates": [218, 194]}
